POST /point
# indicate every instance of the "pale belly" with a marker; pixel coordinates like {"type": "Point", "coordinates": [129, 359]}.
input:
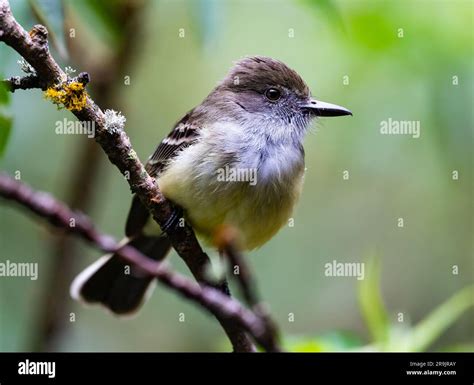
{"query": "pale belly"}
{"type": "Point", "coordinates": [257, 211]}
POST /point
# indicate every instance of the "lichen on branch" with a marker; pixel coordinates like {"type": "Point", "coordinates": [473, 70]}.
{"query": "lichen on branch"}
{"type": "Point", "coordinates": [71, 95]}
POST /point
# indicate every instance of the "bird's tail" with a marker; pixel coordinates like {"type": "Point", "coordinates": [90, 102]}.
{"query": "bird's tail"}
{"type": "Point", "coordinates": [113, 283]}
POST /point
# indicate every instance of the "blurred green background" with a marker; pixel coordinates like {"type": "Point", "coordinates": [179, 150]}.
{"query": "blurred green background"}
{"type": "Point", "coordinates": [390, 59]}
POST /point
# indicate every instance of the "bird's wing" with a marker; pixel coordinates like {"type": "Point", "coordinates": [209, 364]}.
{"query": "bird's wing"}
{"type": "Point", "coordinates": [183, 135]}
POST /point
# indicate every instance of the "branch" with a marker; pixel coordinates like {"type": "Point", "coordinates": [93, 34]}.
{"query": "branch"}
{"type": "Point", "coordinates": [33, 47]}
{"type": "Point", "coordinates": [61, 216]}
{"type": "Point", "coordinates": [22, 82]}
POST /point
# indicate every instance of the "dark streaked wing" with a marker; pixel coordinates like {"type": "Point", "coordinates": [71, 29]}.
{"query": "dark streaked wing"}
{"type": "Point", "coordinates": [183, 135]}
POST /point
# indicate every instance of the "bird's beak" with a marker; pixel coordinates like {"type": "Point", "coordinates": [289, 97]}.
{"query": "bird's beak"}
{"type": "Point", "coordinates": [325, 109]}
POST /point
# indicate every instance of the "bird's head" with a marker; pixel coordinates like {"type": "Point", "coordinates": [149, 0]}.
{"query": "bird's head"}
{"type": "Point", "coordinates": [269, 88]}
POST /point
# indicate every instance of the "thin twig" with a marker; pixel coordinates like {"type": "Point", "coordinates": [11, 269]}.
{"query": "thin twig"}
{"type": "Point", "coordinates": [22, 82]}
{"type": "Point", "coordinates": [61, 216]}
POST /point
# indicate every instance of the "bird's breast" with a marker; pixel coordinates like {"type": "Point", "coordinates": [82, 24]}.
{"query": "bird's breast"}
{"type": "Point", "coordinates": [253, 190]}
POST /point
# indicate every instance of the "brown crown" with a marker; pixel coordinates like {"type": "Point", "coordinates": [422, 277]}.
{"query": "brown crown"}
{"type": "Point", "coordinates": [260, 72]}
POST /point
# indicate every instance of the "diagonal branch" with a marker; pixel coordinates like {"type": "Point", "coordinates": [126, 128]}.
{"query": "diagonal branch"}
{"type": "Point", "coordinates": [61, 216]}
{"type": "Point", "coordinates": [33, 47]}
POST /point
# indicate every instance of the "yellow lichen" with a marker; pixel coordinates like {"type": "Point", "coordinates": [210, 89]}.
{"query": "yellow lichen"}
{"type": "Point", "coordinates": [71, 95]}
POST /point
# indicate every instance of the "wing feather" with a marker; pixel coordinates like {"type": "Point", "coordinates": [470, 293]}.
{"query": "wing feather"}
{"type": "Point", "coordinates": [183, 135]}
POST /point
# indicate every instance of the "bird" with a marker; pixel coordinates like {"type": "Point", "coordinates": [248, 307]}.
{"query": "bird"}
{"type": "Point", "coordinates": [236, 159]}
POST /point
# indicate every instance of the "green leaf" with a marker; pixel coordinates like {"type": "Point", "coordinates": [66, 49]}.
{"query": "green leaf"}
{"type": "Point", "coordinates": [5, 130]}
{"type": "Point", "coordinates": [50, 13]}
{"type": "Point", "coordinates": [371, 304]}
{"type": "Point", "coordinates": [429, 329]}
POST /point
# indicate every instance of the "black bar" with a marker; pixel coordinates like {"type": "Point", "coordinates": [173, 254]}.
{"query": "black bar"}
{"type": "Point", "coordinates": [311, 368]}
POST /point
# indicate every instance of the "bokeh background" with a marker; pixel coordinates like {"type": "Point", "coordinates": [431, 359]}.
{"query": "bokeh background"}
{"type": "Point", "coordinates": [405, 60]}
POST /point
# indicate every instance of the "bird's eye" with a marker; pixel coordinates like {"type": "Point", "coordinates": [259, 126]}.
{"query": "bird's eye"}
{"type": "Point", "coordinates": [273, 94]}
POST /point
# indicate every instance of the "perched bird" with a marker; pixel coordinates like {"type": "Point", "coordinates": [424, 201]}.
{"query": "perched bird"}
{"type": "Point", "coordinates": [237, 159]}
